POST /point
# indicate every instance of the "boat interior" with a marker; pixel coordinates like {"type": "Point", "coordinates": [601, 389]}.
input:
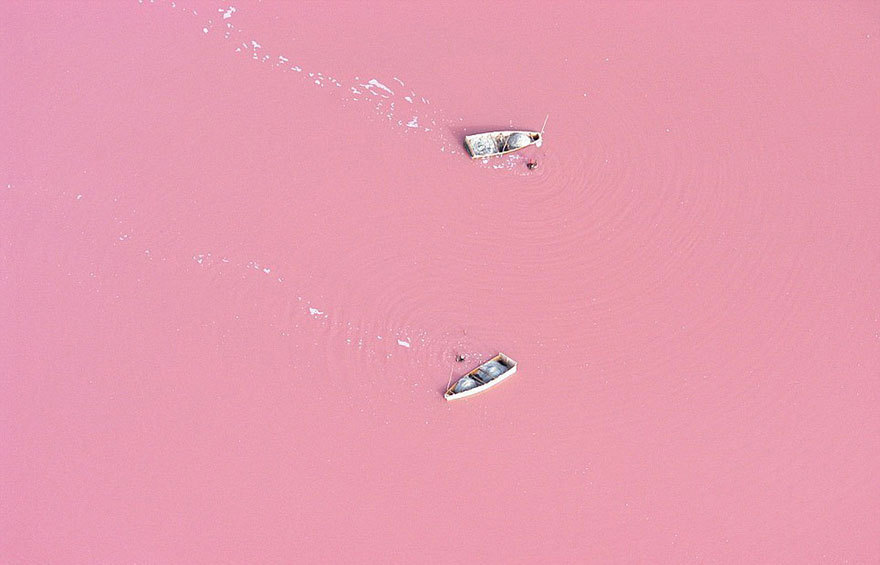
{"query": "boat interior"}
{"type": "Point", "coordinates": [498, 142]}
{"type": "Point", "coordinates": [504, 141]}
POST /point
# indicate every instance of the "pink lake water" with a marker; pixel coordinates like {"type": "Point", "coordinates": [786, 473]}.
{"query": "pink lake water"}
{"type": "Point", "coordinates": [241, 246]}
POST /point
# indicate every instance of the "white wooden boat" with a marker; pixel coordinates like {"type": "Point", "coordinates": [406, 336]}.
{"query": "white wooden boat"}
{"type": "Point", "coordinates": [482, 378]}
{"type": "Point", "coordinates": [494, 143]}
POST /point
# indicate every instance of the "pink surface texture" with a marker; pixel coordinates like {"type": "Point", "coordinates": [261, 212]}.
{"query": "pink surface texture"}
{"type": "Point", "coordinates": [241, 246]}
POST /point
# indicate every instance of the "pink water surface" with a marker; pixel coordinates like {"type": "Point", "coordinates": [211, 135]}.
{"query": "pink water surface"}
{"type": "Point", "coordinates": [235, 274]}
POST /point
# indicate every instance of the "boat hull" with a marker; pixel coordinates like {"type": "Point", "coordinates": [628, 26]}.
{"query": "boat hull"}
{"type": "Point", "coordinates": [500, 358]}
